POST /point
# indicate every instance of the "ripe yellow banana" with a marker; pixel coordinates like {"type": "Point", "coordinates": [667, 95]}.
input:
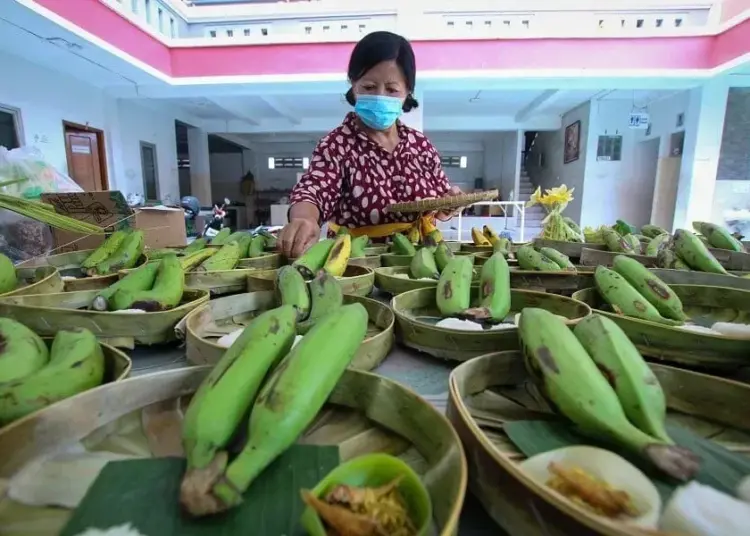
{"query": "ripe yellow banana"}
{"type": "Point", "coordinates": [140, 279]}
{"type": "Point", "coordinates": [494, 291]}
{"type": "Point", "coordinates": [190, 262]}
{"type": "Point", "coordinates": [478, 238]}
{"type": "Point", "coordinates": [338, 258]}
{"type": "Point", "coordinates": [625, 299]}
{"type": "Point", "coordinates": [313, 260]}
{"type": "Point", "coordinates": [225, 259]}
{"type": "Point", "coordinates": [107, 248]}
{"type": "Point", "coordinates": [656, 291]}
{"type": "Point", "coordinates": [169, 285]}
{"type": "Point", "coordinates": [326, 296]}
{"type": "Point", "coordinates": [292, 290]}
{"type": "Point", "coordinates": [426, 226]}
{"type": "Point", "coordinates": [229, 390]}
{"type": "Point", "coordinates": [293, 396]}
{"type": "Point", "coordinates": [76, 364]}
{"type": "Point", "coordinates": [414, 235]}
{"type": "Point", "coordinates": [490, 234]}
{"type": "Point", "coordinates": [22, 351]}
{"type": "Point", "coordinates": [453, 294]}
{"type": "Point", "coordinates": [423, 265]}
{"type": "Point", "coordinates": [571, 381]}
{"type": "Point", "coordinates": [436, 235]}
{"type": "Point", "coordinates": [125, 256]}
{"type": "Point", "coordinates": [695, 254]}
{"type": "Point", "coordinates": [624, 368]}
{"type": "Point", "coordinates": [8, 277]}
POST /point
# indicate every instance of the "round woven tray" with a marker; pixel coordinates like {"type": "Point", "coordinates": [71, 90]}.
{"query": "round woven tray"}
{"type": "Point", "coordinates": [444, 203]}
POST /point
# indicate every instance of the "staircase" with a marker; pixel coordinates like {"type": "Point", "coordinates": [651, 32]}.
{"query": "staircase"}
{"type": "Point", "coordinates": [535, 214]}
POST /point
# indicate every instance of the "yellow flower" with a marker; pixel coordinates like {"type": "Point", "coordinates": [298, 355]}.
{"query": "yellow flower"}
{"type": "Point", "coordinates": [535, 198]}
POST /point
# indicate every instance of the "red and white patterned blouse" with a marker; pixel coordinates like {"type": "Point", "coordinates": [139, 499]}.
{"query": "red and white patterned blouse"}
{"type": "Point", "coordinates": [351, 179]}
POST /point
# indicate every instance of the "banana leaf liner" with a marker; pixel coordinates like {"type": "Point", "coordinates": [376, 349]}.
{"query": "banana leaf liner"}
{"type": "Point", "coordinates": [142, 417]}
{"type": "Point", "coordinates": [600, 257]}
{"type": "Point", "coordinates": [270, 261]}
{"type": "Point", "coordinates": [47, 314]}
{"type": "Point", "coordinates": [357, 280]}
{"type": "Point", "coordinates": [391, 259]}
{"type": "Point", "coordinates": [387, 280]}
{"type": "Point", "coordinates": [691, 277]}
{"type": "Point", "coordinates": [202, 327]}
{"type": "Point", "coordinates": [482, 257]}
{"type": "Point", "coordinates": [453, 245]}
{"type": "Point", "coordinates": [219, 282]}
{"type": "Point", "coordinates": [732, 260]}
{"type": "Point", "coordinates": [494, 389]}
{"type": "Point", "coordinates": [369, 261]}
{"type": "Point", "coordinates": [41, 280]}
{"type": "Point", "coordinates": [704, 306]}
{"type": "Point", "coordinates": [472, 248]}
{"type": "Point", "coordinates": [416, 314]}
{"type": "Point", "coordinates": [571, 249]}
{"type": "Point", "coordinates": [376, 250]}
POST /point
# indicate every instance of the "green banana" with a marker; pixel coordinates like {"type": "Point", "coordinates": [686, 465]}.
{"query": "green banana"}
{"type": "Point", "coordinates": [430, 243]}
{"type": "Point", "coordinates": [531, 259]}
{"type": "Point", "coordinates": [326, 296]}
{"type": "Point", "coordinates": [221, 237]}
{"type": "Point", "coordinates": [245, 241]}
{"type": "Point", "coordinates": [229, 390]}
{"type": "Point", "coordinates": [195, 259]}
{"type": "Point", "coordinates": [562, 260]}
{"type": "Point", "coordinates": [358, 246]}
{"type": "Point", "coordinates": [292, 290]}
{"type": "Point", "coordinates": [293, 395]}
{"type": "Point", "coordinates": [666, 258]}
{"type": "Point", "coordinates": [502, 245]}
{"type": "Point", "coordinates": [342, 230]}
{"type": "Point", "coordinates": [657, 243]}
{"type": "Point", "coordinates": [140, 279]}
{"type": "Point", "coordinates": [443, 255]}
{"type": "Point", "coordinates": [125, 256]}
{"type": "Point", "coordinates": [160, 253]}
{"type": "Point", "coordinates": [718, 237]}
{"type": "Point", "coordinates": [22, 352]}
{"type": "Point", "coordinates": [8, 277]}
{"type": "Point", "coordinates": [494, 291]}
{"type": "Point", "coordinates": [625, 299]}
{"type": "Point", "coordinates": [624, 368]}
{"type": "Point", "coordinates": [453, 295]}
{"type": "Point", "coordinates": [76, 364]}
{"type": "Point", "coordinates": [652, 231]}
{"type": "Point", "coordinates": [615, 242]}
{"type": "Point", "coordinates": [169, 285]}
{"type": "Point", "coordinates": [196, 245]}
{"type": "Point", "coordinates": [656, 291]}
{"type": "Point", "coordinates": [423, 265]}
{"type": "Point", "coordinates": [570, 380]}
{"type": "Point", "coordinates": [270, 238]}
{"type": "Point", "coordinates": [257, 246]}
{"type": "Point", "coordinates": [402, 246]}
{"type": "Point", "coordinates": [695, 254]}
{"type": "Point", "coordinates": [313, 260]}
{"type": "Point", "coordinates": [633, 243]}
{"type": "Point", "coordinates": [225, 259]}
{"type": "Point", "coordinates": [107, 248]}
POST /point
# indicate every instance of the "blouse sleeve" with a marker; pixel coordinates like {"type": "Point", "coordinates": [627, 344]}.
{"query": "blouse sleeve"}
{"type": "Point", "coordinates": [321, 183]}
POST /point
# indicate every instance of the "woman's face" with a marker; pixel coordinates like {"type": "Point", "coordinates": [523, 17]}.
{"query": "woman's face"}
{"type": "Point", "coordinates": [384, 79]}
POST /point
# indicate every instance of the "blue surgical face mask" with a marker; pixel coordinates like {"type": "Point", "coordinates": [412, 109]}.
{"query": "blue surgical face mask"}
{"type": "Point", "coordinates": [378, 111]}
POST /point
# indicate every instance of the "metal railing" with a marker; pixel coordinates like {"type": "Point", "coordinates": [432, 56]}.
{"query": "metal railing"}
{"type": "Point", "coordinates": [520, 205]}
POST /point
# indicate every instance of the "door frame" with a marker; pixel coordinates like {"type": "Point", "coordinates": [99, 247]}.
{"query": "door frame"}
{"type": "Point", "coordinates": [17, 121]}
{"type": "Point", "coordinates": [151, 146]}
{"type": "Point", "coordinates": [69, 125]}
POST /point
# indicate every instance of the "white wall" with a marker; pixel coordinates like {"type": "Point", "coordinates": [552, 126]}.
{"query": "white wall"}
{"type": "Point", "coordinates": [500, 159]}
{"type": "Point", "coordinates": [47, 98]}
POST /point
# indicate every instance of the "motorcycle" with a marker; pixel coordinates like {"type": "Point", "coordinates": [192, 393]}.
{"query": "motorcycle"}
{"type": "Point", "coordinates": [216, 223]}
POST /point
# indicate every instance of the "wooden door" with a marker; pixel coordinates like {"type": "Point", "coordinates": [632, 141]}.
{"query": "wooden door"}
{"type": "Point", "coordinates": [84, 159]}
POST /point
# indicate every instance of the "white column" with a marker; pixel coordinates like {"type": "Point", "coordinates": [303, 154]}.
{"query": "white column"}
{"type": "Point", "coordinates": [704, 126]}
{"type": "Point", "coordinates": [415, 118]}
{"type": "Point", "coordinates": [200, 167]}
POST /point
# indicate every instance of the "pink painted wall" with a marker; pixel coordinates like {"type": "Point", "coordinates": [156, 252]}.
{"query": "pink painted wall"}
{"type": "Point", "coordinates": [732, 8]}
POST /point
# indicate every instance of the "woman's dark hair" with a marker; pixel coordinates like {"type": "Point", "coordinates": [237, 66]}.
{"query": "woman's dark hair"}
{"type": "Point", "coordinates": [377, 47]}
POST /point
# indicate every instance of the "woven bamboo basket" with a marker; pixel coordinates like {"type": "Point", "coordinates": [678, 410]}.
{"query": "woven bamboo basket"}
{"type": "Point", "coordinates": [387, 280]}
{"type": "Point", "coordinates": [416, 314]}
{"type": "Point", "coordinates": [202, 327]}
{"type": "Point", "coordinates": [376, 250]}
{"type": "Point", "coordinates": [142, 417]}
{"type": "Point", "coordinates": [471, 248]}
{"type": "Point", "coordinates": [219, 282]}
{"type": "Point", "coordinates": [41, 280]}
{"type": "Point", "coordinates": [357, 280]}
{"type": "Point", "coordinates": [48, 313]}
{"type": "Point", "coordinates": [600, 257]}
{"type": "Point", "coordinates": [270, 261]}
{"type": "Point", "coordinates": [454, 246]}
{"type": "Point", "coordinates": [704, 305]}
{"type": "Point", "coordinates": [391, 259]}
{"type": "Point", "coordinates": [690, 277]}
{"type": "Point", "coordinates": [571, 249]}
{"type": "Point", "coordinates": [370, 261]}
{"type": "Point", "coordinates": [732, 260]}
{"type": "Point", "coordinates": [484, 256]}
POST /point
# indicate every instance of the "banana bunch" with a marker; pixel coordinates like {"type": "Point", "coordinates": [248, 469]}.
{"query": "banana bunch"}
{"type": "Point", "coordinates": [226, 258]}
{"type": "Point", "coordinates": [243, 239]}
{"type": "Point", "coordinates": [657, 244]}
{"type": "Point", "coordinates": [118, 252]}
{"type": "Point", "coordinates": [358, 246]}
{"type": "Point", "coordinates": [478, 237]}
{"type": "Point", "coordinates": [424, 265]}
{"type": "Point", "coordinates": [718, 237]}
{"type": "Point", "coordinates": [281, 387]}
{"type": "Point", "coordinates": [196, 245]}
{"type": "Point", "coordinates": [155, 286]}
{"type": "Point", "coordinates": [323, 295]}
{"type": "Point", "coordinates": [414, 234]}
{"type": "Point", "coordinates": [576, 232]}
{"type": "Point", "coordinates": [543, 260]}
{"type": "Point", "coordinates": [338, 257]}
{"type": "Point", "coordinates": [8, 276]}
{"type": "Point", "coordinates": [313, 260]}
{"type": "Point", "coordinates": [686, 251]}
{"type": "Point", "coordinates": [75, 363]}
{"type": "Point", "coordinates": [221, 237]}
{"type": "Point", "coordinates": [618, 243]}
{"type": "Point", "coordinates": [494, 291]}
{"type": "Point", "coordinates": [401, 245]}
{"type": "Point", "coordinates": [632, 290]}
{"type": "Point", "coordinates": [596, 378]}
{"type": "Point", "coordinates": [652, 231]}
{"type": "Point", "coordinates": [192, 260]}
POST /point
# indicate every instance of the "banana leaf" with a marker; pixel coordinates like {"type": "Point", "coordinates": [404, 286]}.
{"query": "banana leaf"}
{"type": "Point", "coordinates": [41, 280]}
{"type": "Point", "coordinates": [732, 260]}
{"type": "Point", "coordinates": [142, 418]}
{"type": "Point", "coordinates": [202, 328]}
{"type": "Point", "coordinates": [493, 392]}
{"type": "Point", "coordinates": [391, 280]}
{"type": "Point", "coordinates": [417, 313]}
{"type": "Point", "coordinates": [600, 257]}
{"type": "Point", "coordinates": [357, 280]}
{"type": "Point", "coordinates": [484, 256]}
{"type": "Point", "coordinates": [706, 279]}
{"type": "Point", "coordinates": [701, 351]}
{"type": "Point", "coordinates": [376, 250]}
{"type": "Point", "coordinates": [571, 249]}
{"type": "Point", "coordinates": [471, 248]}
{"type": "Point", "coordinates": [219, 282]}
{"type": "Point", "coordinates": [391, 259]}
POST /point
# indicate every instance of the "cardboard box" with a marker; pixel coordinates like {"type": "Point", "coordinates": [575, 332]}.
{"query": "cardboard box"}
{"type": "Point", "coordinates": [162, 226]}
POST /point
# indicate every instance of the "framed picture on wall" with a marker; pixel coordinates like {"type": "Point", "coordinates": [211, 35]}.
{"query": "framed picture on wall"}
{"type": "Point", "coordinates": [572, 142]}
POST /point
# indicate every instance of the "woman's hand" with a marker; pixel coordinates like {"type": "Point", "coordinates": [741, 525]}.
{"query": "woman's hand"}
{"type": "Point", "coordinates": [445, 215]}
{"type": "Point", "coordinates": [298, 235]}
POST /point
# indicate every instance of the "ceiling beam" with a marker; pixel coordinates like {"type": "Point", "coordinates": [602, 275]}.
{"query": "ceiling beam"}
{"type": "Point", "coordinates": [545, 97]}
{"type": "Point", "coordinates": [237, 111]}
{"type": "Point", "coordinates": [280, 109]}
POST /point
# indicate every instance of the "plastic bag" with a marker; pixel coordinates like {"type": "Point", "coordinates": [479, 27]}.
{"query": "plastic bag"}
{"type": "Point", "coordinates": [23, 238]}
{"type": "Point", "coordinates": [35, 175]}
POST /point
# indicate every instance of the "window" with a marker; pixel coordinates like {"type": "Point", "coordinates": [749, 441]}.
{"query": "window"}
{"type": "Point", "coordinates": [171, 28]}
{"type": "Point", "coordinates": [264, 31]}
{"type": "Point", "coordinates": [160, 19]}
{"type": "Point", "coordinates": [212, 33]}
{"type": "Point", "coordinates": [147, 8]}
{"type": "Point", "coordinates": [287, 162]}
{"type": "Point", "coordinates": [609, 148]}
{"type": "Point", "coordinates": [134, 6]}
{"type": "Point", "coordinates": [230, 33]}
{"type": "Point", "coordinates": [150, 171]}
{"type": "Point", "coordinates": [454, 161]}
{"type": "Point", "coordinates": [246, 31]}
{"type": "Point", "coordinates": [308, 30]}
{"type": "Point", "coordinates": [11, 134]}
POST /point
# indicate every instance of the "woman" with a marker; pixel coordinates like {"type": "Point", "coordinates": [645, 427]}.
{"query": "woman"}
{"type": "Point", "coordinates": [372, 159]}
